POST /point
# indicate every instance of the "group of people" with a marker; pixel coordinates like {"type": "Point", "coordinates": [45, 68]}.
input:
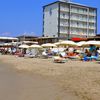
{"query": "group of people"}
{"type": "Point", "coordinates": [61, 53]}
{"type": "Point", "coordinates": [92, 53]}
{"type": "Point", "coordinates": [84, 54]}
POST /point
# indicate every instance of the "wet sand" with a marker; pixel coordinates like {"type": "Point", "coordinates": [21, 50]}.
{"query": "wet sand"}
{"type": "Point", "coordinates": [15, 85]}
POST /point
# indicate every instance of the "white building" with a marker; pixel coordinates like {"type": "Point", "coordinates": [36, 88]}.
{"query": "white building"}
{"type": "Point", "coordinates": [66, 20]}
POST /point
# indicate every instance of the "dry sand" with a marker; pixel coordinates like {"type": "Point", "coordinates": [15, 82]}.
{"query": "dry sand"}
{"type": "Point", "coordinates": [81, 79]}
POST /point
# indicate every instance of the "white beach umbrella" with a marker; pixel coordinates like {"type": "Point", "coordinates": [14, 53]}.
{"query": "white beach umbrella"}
{"type": "Point", "coordinates": [81, 43]}
{"type": "Point", "coordinates": [24, 46]}
{"type": "Point", "coordinates": [35, 46]}
{"type": "Point", "coordinates": [88, 43]}
{"type": "Point", "coordinates": [48, 45]}
{"type": "Point", "coordinates": [57, 43]}
{"type": "Point", "coordinates": [68, 43]}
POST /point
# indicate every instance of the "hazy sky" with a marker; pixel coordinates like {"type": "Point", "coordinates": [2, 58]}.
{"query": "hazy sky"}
{"type": "Point", "coordinates": [20, 16]}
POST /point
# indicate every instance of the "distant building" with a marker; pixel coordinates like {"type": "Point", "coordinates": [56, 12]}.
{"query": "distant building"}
{"type": "Point", "coordinates": [97, 37]}
{"type": "Point", "coordinates": [8, 39]}
{"type": "Point", "coordinates": [66, 20]}
{"type": "Point", "coordinates": [40, 40]}
{"type": "Point", "coordinates": [26, 38]}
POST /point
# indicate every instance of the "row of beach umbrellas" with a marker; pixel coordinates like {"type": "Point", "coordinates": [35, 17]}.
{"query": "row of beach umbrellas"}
{"type": "Point", "coordinates": [63, 43]}
{"type": "Point", "coordinates": [88, 43]}
{"type": "Point", "coordinates": [82, 43]}
{"type": "Point", "coordinates": [38, 46]}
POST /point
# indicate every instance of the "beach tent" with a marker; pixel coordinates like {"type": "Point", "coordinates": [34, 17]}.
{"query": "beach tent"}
{"type": "Point", "coordinates": [29, 42]}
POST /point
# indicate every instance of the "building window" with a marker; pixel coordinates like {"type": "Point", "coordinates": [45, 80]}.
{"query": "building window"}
{"type": "Point", "coordinates": [50, 12]}
{"type": "Point", "coordinates": [77, 23]}
{"type": "Point", "coordinates": [53, 35]}
{"type": "Point", "coordinates": [64, 15]}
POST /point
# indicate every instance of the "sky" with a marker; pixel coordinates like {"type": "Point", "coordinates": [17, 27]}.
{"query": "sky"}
{"type": "Point", "coordinates": [19, 17]}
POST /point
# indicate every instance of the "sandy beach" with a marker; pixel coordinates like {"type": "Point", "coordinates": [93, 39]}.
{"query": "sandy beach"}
{"type": "Point", "coordinates": [73, 80]}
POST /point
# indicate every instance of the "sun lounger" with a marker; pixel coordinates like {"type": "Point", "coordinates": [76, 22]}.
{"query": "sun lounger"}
{"type": "Point", "coordinates": [19, 54]}
{"type": "Point", "coordinates": [44, 55]}
{"type": "Point", "coordinates": [30, 55]}
{"type": "Point", "coordinates": [98, 58]}
{"type": "Point", "coordinates": [58, 59]}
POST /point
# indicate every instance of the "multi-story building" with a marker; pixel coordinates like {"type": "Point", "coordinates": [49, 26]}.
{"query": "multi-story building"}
{"type": "Point", "coordinates": [66, 20]}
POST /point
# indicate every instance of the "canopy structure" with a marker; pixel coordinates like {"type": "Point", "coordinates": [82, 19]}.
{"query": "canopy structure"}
{"type": "Point", "coordinates": [29, 42]}
{"type": "Point", "coordinates": [8, 38]}
{"type": "Point", "coordinates": [77, 39]}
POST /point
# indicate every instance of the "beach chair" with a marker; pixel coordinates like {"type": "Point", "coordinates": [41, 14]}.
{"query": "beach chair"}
{"type": "Point", "coordinates": [30, 55]}
{"type": "Point", "coordinates": [44, 55]}
{"type": "Point", "coordinates": [98, 58]}
{"type": "Point", "coordinates": [91, 58]}
{"type": "Point", "coordinates": [58, 59]}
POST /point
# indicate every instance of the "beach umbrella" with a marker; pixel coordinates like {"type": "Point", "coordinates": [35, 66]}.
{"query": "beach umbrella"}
{"type": "Point", "coordinates": [81, 43]}
{"type": "Point", "coordinates": [35, 46]}
{"type": "Point", "coordinates": [48, 45]}
{"type": "Point", "coordinates": [24, 46]}
{"type": "Point", "coordinates": [95, 43]}
{"type": "Point", "coordinates": [57, 43]}
{"type": "Point", "coordinates": [68, 43]}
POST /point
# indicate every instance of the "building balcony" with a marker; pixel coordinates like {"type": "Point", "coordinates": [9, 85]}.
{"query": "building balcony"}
{"type": "Point", "coordinates": [79, 27]}
{"type": "Point", "coordinates": [92, 21]}
{"type": "Point", "coordinates": [77, 19]}
{"type": "Point", "coordinates": [61, 17]}
{"type": "Point", "coordinates": [92, 28]}
{"type": "Point", "coordinates": [78, 33]}
{"type": "Point", "coordinates": [92, 14]}
{"type": "Point", "coordinates": [91, 34]}
{"type": "Point", "coordinates": [64, 10]}
{"type": "Point", "coordinates": [63, 32]}
{"type": "Point", "coordinates": [62, 25]}
{"type": "Point", "coordinates": [81, 13]}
